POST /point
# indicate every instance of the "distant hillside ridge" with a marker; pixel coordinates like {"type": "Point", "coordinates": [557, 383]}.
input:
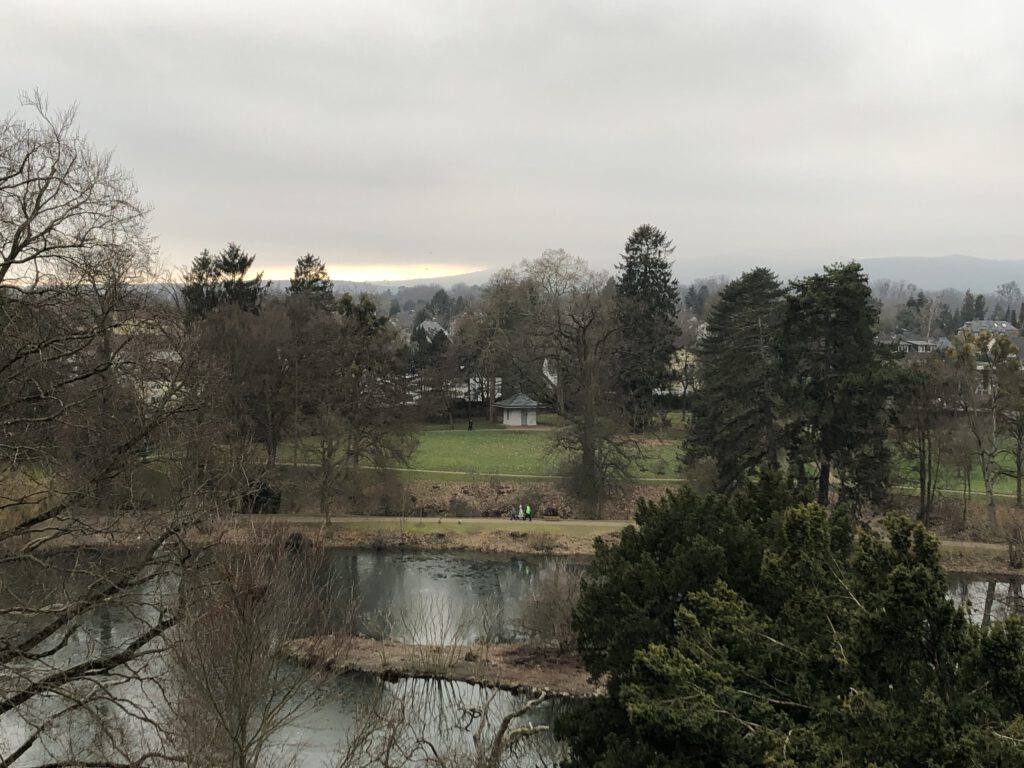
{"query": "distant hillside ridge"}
{"type": "Point", "coordinates": [938, 272]}
{"type": "Point", "coordinates": [477, 278]}
{"type": "Point", "coordinates": [930, 273]}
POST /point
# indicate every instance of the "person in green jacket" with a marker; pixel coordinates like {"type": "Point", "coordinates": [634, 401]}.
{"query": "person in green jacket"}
{"type": "Point", "coordinates": [529, 512]}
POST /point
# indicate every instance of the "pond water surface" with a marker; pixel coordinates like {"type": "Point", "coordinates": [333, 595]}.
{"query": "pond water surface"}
{"type": "Point", "coordinates": [412, 597]}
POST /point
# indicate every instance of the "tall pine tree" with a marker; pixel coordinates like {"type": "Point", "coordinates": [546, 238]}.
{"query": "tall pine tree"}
{"type": "Point", "coordinates": [646, 302]}
{"type": "Point", "coordinates": [201, 291]}
{"type": "Point", "coordinates": [311, 280]}
{"type": "Point", "coordinates": [838, 381]}
{"type": "Point", "coordinates": [245, 293]}
{"type": "Point", "coordinates": [214, 281]}
{"type": "Point", "coordinates": [738, 411]}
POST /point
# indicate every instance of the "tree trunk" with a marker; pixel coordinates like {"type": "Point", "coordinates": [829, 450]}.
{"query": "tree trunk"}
{"type": "Point", "coordinates": [823, 482]}
{"type": "Point", "coordinates": [922, 478]}
{"type": "Point", "coordinates": [967, 491]}
{"type": "Point", "coordinates": [1018, 455]}
{"type": "Point", "coordinates": [325, 489]}
{"type": "Point", "coordinates": [987, 472]}
{"type": "Point", "coordinates": [990, 594]}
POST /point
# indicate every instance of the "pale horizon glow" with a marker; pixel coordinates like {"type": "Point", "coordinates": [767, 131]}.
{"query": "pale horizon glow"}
{"type": "Point", "coordinates": [369, 273]}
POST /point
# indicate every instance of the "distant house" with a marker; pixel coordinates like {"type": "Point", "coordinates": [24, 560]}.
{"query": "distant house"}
{"type": "Point", "coordinates": [518, 411]}
{"type": "Point", "coordinates": [912, 346]}
{"type": "Point", "coordinates": [995, 327]}
{"type": "Point", "coordinates": [431, 328]}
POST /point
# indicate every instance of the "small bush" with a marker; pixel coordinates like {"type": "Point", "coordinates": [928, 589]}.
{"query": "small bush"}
{"type": "Point", "coordinates": [547, 611]}
{"type": "Point", "coordinates": [261, 499]}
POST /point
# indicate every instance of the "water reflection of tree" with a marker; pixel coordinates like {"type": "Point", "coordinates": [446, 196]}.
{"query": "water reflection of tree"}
{"type": "Point", "coordinates": [230, 694]}
{"type": "Point", "coordinates": [449, 725]}
{"type": "Point", "coordinates": [985, 599]}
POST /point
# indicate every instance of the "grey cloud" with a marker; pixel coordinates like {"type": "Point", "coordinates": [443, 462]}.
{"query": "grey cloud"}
{"type": "Point", "coordinates": [481, 132]}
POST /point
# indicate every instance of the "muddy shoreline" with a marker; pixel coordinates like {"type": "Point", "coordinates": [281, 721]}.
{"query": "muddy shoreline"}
{"type": "Point", "coordinates": [485, 536]}
{"type": "Point", "coordinates": [511, 667]}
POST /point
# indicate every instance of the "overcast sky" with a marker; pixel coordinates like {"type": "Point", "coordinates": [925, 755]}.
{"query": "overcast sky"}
{"type": "Point", "coordinates": [427, 137]}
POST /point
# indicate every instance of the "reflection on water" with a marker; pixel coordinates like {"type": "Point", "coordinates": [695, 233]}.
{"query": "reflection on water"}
{"type": "Point", "coordinates": [414, 717]}
{"type": "Point", "coordinates": [985, 599]}
{"type": "Point", "coordinates": [429, 597]}
{"type": "Point", "coordinates": [413, 598]}
{"type": "Point", "coordinates": [409, 597]}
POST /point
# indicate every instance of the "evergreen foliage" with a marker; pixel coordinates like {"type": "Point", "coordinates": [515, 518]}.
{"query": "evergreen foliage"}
{"type": "Point", "coordinates": [738, 415]}
{"type": "Point", "coordinates": [755, 630]}
{"type": "Point", "coordinates": [311, 280]}
{"type": "Point", "coordinates": [795, 379]}
{"type": "Point", "coordinates": [216, 281]}
{"type": "Point", "coordinates": [647, 299]}
{"type": "Point", "coordinates": [201, 291]}
{"type": "Point", "coordinates": [838, 381]}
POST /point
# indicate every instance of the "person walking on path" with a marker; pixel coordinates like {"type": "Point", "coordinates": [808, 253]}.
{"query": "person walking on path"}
{"type": "Point", "coordinates": [522, 515]}
{"type": "Point", "coordinates": [529, 513]}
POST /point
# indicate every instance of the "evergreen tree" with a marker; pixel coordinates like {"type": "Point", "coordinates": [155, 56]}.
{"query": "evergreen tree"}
{"type": "Point", "coordinates": [201, 291]}
{"type": "Point", "coordinates": [311, 280]}
{"type": "Point", "coordinates": [967, 308]}
{"type": "Point", "coordinates": [737, 418]}
{"type": "Point", "coordinates": [947, 320]}
{"type": "Point", "coordinates": [979, 307]}
{"type": "Point", "coordinates": [232, 265]}
{"type": "Point", "coordinates": [838, 387]}
{"type": "Point", "coordinates": [441, 308]}
{"type": "Point", "coordinates": [215, 281]}
{"type": "Point", "coordinates": [752, 631]}
{"type": "Point", "coordinates": [647, 297]}
{"type": "Point", "coordinates": [696, 300]}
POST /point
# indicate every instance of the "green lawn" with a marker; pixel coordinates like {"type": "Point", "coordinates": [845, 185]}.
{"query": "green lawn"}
{"type": "Point", "coordinates": [490, 449]}
{"type": "Point", "coordinates": [486, 451]}
{"type": "Point", "coordinates": [904, 474]}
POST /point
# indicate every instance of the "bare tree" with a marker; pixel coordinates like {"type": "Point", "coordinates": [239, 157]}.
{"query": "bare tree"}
{"type": "Point", "coordinates": [979, 362]}
{"type": "Point", "coordinates": [95, 370]}
{"type": "Point", "coordinates": [354, 396]}
{"type": "Point", "coordinates": [576, 331]}
{"type": "Point", "coordinates": [231, 693]}
{"type": "Point", "coordinates": [547, 609]}
{"type": "Point", "coordinates": [59, 197]}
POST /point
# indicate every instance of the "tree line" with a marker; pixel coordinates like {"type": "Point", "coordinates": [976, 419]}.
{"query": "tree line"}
{"type": "Point", "coordinates": [130, 634]}
{"type": "Point", "coordinates": [334, 371]}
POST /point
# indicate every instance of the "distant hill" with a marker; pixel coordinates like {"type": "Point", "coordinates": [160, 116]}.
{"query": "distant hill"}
{"type": "Point", "coordinates": [931, 273]}
{"type": "Point", "coordinates": [380, 286]}
{"type": "Point", "coordinates": [938, 272]}
{"type": "Point", "coordinates": [469, 278]}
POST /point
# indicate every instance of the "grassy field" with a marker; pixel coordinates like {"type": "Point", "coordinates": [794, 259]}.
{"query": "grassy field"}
{"type": "Point", "coordinates": [950, 480]}
{"type": "Point", "coordinates": [486, 451]}
{"type": "Point", "coordinates": [493, 450]}
{"type": "Point", "coordinates": [519, 452]}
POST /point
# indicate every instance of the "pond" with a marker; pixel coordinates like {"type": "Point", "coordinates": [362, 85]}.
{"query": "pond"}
{"type": "Point", "coordinates": [439, 598]}
{"type": "Point", "coordinates": [986, 599]}
{"type": "Point", "coordinates": [421, 598]}
{"type": "Point", "coordinates": [411, 597]}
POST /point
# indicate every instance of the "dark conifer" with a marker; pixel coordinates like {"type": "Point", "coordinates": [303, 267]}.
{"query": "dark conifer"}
{"type": "Point", "coordinates": [647, 299]}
